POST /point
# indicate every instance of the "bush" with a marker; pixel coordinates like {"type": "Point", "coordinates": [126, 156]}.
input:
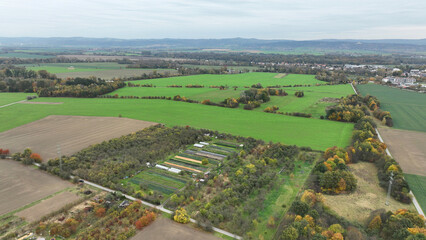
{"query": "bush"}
{"type": "Point", "coordinates": [299, 94]}
{"type": "Point", "coordinates": [181, 216]}
{"type": "Point", "coordinates": [300, 208]}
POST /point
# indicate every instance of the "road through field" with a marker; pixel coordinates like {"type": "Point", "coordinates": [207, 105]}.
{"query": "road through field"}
{"type": "Point", "coordinates": [12, 103]}
{"type": "Point", "coordinates": [161, 208]}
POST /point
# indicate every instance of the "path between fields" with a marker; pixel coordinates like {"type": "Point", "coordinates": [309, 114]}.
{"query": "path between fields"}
{"type": "Point", "coordinates": [161, 208]}
{"type": "Point", "coordinates": [12, 103]}
{"type": "Point", "coordinates": [416, 204]}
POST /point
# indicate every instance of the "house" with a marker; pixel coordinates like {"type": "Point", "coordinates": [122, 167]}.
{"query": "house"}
{"type": "Point", "coordinates": [198, 145]}
{"type": "Point", "coordinates": [399, 80]}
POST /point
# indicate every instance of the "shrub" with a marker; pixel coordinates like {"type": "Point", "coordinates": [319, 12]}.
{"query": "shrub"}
{"type": "Point", "coordinates": [299, 94]}
{"type": "Point", "coordinates": [181, 216]}
{"type": "Point", "coordinates": [36, 157]}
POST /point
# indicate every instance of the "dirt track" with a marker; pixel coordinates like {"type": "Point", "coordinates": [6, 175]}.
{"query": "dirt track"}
{"type": "Point", "coordinates": [73, 133]}
{"type": "Point", "coordinates": [166, 229]}
{"type": "Point", "coordinates": [408, 148]}
{"type": "Point", "coordinates": [21, 185]}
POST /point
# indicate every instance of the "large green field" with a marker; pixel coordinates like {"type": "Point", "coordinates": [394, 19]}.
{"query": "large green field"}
{"type": "Point", "coordinates": [408, 109]}
{"type": "Point", "coordinates": [6, 98]}
{"type": "Point", "coordinates": [318, 134]}
{"type": "Point", "coordinates": [240, 80]}
{"type": "Point", "coordinates": [418, 186]}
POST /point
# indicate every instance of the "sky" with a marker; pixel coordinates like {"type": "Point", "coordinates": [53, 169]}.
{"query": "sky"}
{"type": "Point", "coordinates": [267, 19]}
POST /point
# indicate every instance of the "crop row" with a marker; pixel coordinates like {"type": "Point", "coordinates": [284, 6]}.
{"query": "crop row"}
{"type": "Point", "coordinates": [187, 164]}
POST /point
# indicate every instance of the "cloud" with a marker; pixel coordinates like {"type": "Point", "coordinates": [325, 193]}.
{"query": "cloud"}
{"type": "Point", "coordinates": [269, 19]}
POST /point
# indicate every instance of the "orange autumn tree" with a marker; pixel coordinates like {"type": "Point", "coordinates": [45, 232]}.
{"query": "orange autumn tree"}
{"type": "Point", "coordinates": [36, 157]}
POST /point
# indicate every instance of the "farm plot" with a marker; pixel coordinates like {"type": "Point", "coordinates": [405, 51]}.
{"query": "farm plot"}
{"type": "Point", "coordinates": [166, 229]}
{"type": "Point", "coordinates": [52, 204]}
{"type": "Point", "coordinates": [408, 109]}
{"type": "Point", "coordinates": [408, 148]}
{"type": "Point", "coordinates": [72, 133]}
{"type": "Point", "coordinates": [21, 185]}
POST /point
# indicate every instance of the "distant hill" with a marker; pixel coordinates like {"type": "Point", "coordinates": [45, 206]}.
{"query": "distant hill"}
{"type": "Point", "coordinates": [327, 45]}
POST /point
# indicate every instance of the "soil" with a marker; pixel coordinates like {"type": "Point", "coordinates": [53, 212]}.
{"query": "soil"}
{"type": "Point", "coordinates": [408, 148]}
{"type": "Point", "coordinates": [47, 206]}
{"type": "Point", "coordinates": [166, 229]}
{"type": "Point", "coordinates": [72, 133]}
{"type": "Point", "coordinates": [21, 185]}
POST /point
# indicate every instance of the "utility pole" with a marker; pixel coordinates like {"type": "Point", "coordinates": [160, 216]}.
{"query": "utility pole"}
{"type": "Point", "coordinates": [389, 189]}
{"type": "Point", "coordinates": [60, 156]}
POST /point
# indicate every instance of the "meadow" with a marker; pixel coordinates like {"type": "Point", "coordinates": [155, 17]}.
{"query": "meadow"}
{"type": "Point", "coordinates": [408, 109]}
{"type": "Point", "coordinates": [315, 133]}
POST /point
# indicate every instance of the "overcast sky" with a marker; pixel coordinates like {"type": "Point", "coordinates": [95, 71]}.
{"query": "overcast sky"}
{"type": "Point", "coordinates": [267, 19]}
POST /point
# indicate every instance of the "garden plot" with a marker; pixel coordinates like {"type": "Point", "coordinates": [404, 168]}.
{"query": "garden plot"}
{"type": "Point", "coordinates": [169, 176]}
{"type": "Point", "coordinates": [158, 180]}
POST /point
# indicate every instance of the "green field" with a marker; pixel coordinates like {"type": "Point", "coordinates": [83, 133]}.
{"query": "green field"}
{"type": "Point", "coordinates": [418, 186]}
{"type": "Point", "coordinates": [408, 109]}
{"type": "Point", "coordinates": [6, 98]}
{"type": "Point", "coordinates": [318, 134]}
{"type": "Point", "coordinates": [240, 80]}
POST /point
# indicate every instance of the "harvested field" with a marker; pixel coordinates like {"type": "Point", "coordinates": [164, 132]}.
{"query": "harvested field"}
{"type": "Point", "coordinates": [408, 148]}
{"type": "Point", "coordinates": [166, 229]}
{"type": "Point", "coordinates": [21, 185]}
{"type": "Point", "coordinates": [55, 203]}
{"type": "Point", "coordinates": [367, 197]}
{"type": "Point", "coordinates": [73, 133]}
{"type": "Point", "coordinates": [41, 102]}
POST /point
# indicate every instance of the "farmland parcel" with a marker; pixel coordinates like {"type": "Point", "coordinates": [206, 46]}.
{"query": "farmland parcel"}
{"type": "Point", "coordinates": [73, 133]}
{"type": "Point", "coordinates": [408, 109]}
{"type": "Point", "coordinates": [20, 185]}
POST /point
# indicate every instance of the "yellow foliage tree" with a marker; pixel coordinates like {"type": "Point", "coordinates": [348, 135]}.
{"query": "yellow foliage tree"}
{"type": "Point", "coordinates": [181, 216]}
